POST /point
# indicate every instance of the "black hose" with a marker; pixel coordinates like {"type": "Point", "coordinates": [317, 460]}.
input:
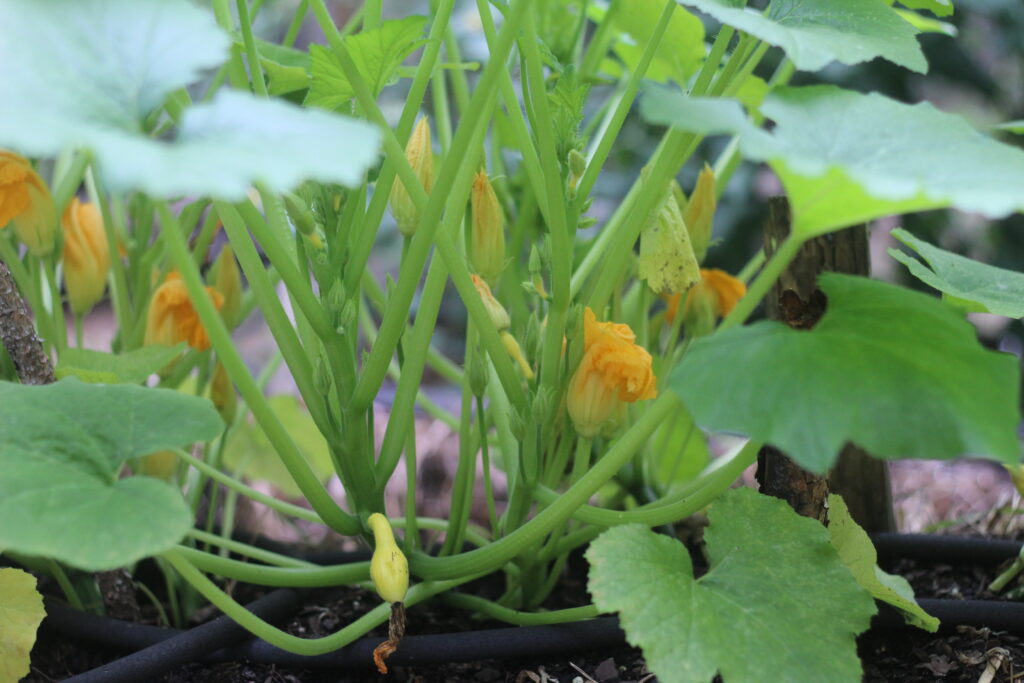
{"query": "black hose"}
{"type": "Point", "coordinates": [185, 647]}
{"type": "Point", "coordinates": [945, 549]}
{"type": "Point", "coordinates": [166, 649]}
{"type": "Point", "coordinates": [518, 642]}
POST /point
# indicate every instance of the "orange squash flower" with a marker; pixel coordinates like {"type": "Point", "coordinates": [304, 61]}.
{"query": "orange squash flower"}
{"type": "Point", "coordinates": [614, 371]}
{"type": "Point", "coordinates": [25, 201]}
{"type": "Point", "coordinates": [172, 318]}
{"type": "Point", "coordinates": [717, 290]}
{"type": "Point", "coordinates": [86, 255]}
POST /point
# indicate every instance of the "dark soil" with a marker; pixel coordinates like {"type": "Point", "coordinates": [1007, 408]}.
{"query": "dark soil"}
{"type": "Point", "coordinates": [905, 655]}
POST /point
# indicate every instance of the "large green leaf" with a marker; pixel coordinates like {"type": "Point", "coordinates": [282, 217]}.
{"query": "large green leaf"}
{"type": "Point", "coordinates": [133, 367]}
{"type": "Point", "coordinates": [377, 53]}
{"type": "Point", "coordinates": [894, 371]}
{"type": "Point", "coordinates": [845, 157]}
{"type": "Point", "coordinates": [21, 612]}
{"type": "Point", "coordinates": [970, 284]}
{"type": "Point", "coordinates": [681, 49]}
{"type": "Point", "coordinates": [87, 73]}
{"type": "Point", "coordinates": [61, 449]}
{"type": "Point", "coordinates": [816, 32]}
{"type": "Point", "coordinates": [858, 554]}
{"type": "Point", "coordinates": [250, 453]}
{"type": "Point", "coordinates": [776, 587]}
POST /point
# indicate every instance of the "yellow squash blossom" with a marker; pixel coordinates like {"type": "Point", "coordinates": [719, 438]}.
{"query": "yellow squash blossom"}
{"type": "Point", "coordinates": [420, 154]}
{"type": "Point", "coordinates": [172, 317]}
{"type": "Point", "coordinates": [25, 201]}
{"type": "Point", "coordinates": [614, 371]}
{"type": "Point", "coordinates": [86, 255]}
{"type": "Point", "coordinates": [716, 292]}
{"type": "Point", "coordinates": [487, 243]}
{"type": "Point", "coordinates": [700, 213]}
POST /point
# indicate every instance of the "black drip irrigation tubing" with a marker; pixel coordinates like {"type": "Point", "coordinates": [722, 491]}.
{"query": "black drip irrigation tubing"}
{"type": "Point", "coordinates": [159, 650]}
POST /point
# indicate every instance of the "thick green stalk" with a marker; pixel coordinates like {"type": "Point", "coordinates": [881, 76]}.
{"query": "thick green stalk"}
{"type": "Point", "coordinates": [252, 54]}
{"type": "Point", "coordinates": [247, 550]}
{"type": "Point", "coordinates": [470, 131]}
{"type": "Point", "coordinates": [610, 133]}
{"type": "Point", "coordinates": [280, 327]}
{"type": "Point", "coordinates": [530, 534]}
{"type": "Point", "coordinates": [220, 338]}
{"type": "Point", "coordinates": [501, 613]}
{"type": "Point", "coordinates": [263, 575]}
{"type": "Point", "coordinates": [417, 341]}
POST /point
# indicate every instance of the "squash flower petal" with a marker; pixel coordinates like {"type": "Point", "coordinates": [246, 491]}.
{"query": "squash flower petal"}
{"type": "Point", "coordinates": [172, 318]}
{"type": "Point", "coordinates": [614, 371]}
{"type": "Point", "coordinates": [25, 202]}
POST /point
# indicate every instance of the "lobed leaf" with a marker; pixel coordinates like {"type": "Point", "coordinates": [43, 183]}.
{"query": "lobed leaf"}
{"type": "Point", "coordinates": [62, 446]}
{"type": "Point", "coordinates": [894, 371]}
{"type": "Point", "coordinates": [816, 32]}
{"type": "Point", "coordinates": [377, 54]}
{"type": "Point", "coordinates": [858, 554]}
{"type": "Point", "coordinates": [21, 612]}
{"type": "Point", "coordinates": [775, 585]}
{"type": "Point", "coordinates": [88, 73]}
{"type": "Point", "coordinates": [964, 282]}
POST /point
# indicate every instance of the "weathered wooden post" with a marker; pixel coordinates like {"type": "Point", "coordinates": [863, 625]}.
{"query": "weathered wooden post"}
{"type": "Point", "coordinates": [795, 299]}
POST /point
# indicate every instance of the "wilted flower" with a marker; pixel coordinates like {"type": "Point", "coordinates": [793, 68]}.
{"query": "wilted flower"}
{"type": "Point", "coordinates": [86, 255]}
{"type": "Point", "coordinates": [487, 243]}
{"type": "Point", "coordinates": [420, 154]}
{"type": "Point", "coordinates": [172, 318]}
{"type": "Point", "coordinates": [667, 261]}
{"type": "Point", "coordinates": [614, 371]}
{"type": "Point", "coordinates": [717, 292]}
{"type": "Point", "coordinates": [25, 200]}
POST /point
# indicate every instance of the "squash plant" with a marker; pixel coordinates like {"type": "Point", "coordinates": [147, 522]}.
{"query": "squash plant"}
{"type": "Point", "coordinates": [137, 129]}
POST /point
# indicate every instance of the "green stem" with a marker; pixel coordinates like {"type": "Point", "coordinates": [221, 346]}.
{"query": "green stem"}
{"type": "Point", "coordinates": [220, 338]}
{"type": "Point", "coordinates": [296, 24]}
{"type": "Point", "coordinates": [263, 575]}
{"type": "Point", "coordinates": [519, 618]}
{"type": "Point", "coordinates": [610, 132]}
{"type": "Point", "coordinates": [481, 419]}
{"type": "Point", "coordinates": [247, 550]}
{"type": "Point", "coordinates": [252, 54]}
{"type": "Point", "coordinates": [66, 587]}
{"type": "Point", "coordinates": [273, 503]}
{"type": "Point", "coordinates": [261, 629]}
{"type": "Point", "coordinates": [529, 535]}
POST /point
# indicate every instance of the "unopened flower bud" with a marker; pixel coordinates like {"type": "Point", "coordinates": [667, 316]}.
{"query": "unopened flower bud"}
{"type": "Point", "coordinates": [323, 380]}
{"type": "Point", "coordinates": [222, 393]}
{"type": "Point", "coordinates": [577, 167]}
{"type": "Point", "coordinates": [667, 261]}
{"type": "Point", "coordinates": [542, 405]}
{"type": "Point", "coordinates": [495, 311]}
{"type": "Point", "coordinates": [228, 281]}
{"type": "Point", "coordinates": [25, 202]}
{"type": "Point", "coordinates": [86, 255]}
{"type": "Point", "coordinates": [512, 346]}
{"type": "Point", "coordinates": [700, 213]}
{"type": "Point", "coordinates": [336, 296]}
{"type": "Point", "coordinates": [572, 322]}
{"type": "Point", "coordinates": [477, 372]}
{"type": "Point", "coordinates": [420, 154]}
{"type": "Point", "coordinates": [300, 214]}
{"type": "Point", "coordinates": [487, 245]}
{"type": "Point", "coordinates": [517, 425]}
{"type": "Point", "coordinates": [389, 569]}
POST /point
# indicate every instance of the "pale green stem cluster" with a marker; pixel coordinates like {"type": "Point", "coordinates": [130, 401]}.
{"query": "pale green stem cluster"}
{"type": "Point", "coordinates": [513, 424]}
